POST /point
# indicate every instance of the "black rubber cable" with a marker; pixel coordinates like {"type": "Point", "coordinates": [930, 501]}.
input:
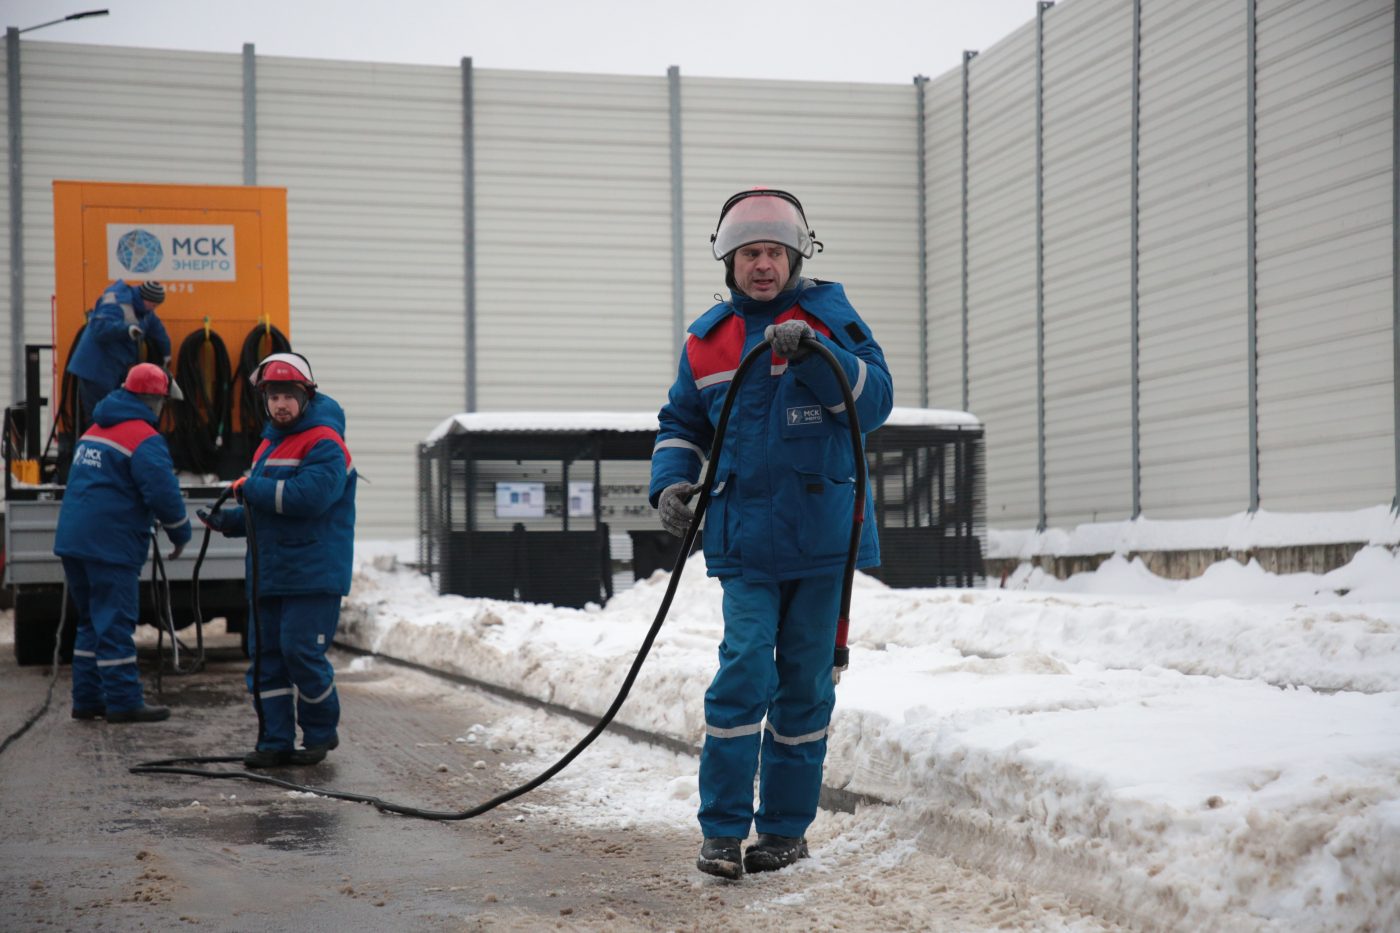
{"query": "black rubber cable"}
{"type": "Point", "coordinates": [203, 423]}
{"type": "Point", "coordinates": [53, 676]}
{"type": "Point", "coordinates": [164, 609]}
{"type": "Point", "coordinates": [176, 765]}
{"type": "Point", "coordinates": [248, 359]}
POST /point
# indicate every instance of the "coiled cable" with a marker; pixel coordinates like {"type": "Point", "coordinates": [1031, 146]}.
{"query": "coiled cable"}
{"type": "Point", "coordinates": [202, 424]}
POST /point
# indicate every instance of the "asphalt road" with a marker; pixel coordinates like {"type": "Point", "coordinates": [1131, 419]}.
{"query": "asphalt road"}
{"type": "Point", "coordinates": [84, 844]}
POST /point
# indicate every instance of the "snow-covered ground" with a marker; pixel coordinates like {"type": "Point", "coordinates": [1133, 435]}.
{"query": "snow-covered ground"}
{"type": "Point", "coordinates": [1219, 753]}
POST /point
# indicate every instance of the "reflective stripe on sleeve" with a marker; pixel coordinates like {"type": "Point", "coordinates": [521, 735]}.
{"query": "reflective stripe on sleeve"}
{"type": "Point", "coordinates": [116, 662]}
{"type": "Point", "coordinates": [281, 484]}
{"type": "Point", "coordinates": [734, 733]}
{"type": "Point", "coordinates": [677, 442]}
{"type": "Point", "coordinates": [856, 389]}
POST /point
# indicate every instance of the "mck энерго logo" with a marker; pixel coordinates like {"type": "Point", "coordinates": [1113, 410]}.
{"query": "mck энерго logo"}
{"type": "Point", "coordinates": [172, 252]}
{"type": "Point", "coordinates": [139, 252]}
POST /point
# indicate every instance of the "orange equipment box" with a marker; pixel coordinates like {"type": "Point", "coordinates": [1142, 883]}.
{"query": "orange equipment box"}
{"type": "Point", "coordinates": [220, 251]}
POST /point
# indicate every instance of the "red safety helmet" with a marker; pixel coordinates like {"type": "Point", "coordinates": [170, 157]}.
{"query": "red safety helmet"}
{"type": "Point", "coordinates": [150, 379]}
{"type": "Point", "coordinates": [285, 367]}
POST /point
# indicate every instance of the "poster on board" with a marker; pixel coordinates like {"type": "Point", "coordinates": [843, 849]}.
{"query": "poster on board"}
{"type": "Point", "coordinates": [581, 500]}
{"type": "Point", "coordinates": [520, 500]}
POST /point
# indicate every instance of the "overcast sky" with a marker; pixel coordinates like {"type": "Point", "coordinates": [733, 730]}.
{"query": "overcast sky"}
{"type": "Point", "coordinates": [885, 41]}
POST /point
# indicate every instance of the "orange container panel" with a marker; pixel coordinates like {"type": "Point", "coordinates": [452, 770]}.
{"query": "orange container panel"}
{"type": "Point", "coordinates": [220, 251]}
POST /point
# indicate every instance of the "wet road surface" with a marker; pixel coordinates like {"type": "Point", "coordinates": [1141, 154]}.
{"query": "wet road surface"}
{"type": "Point", "coordinates": [86, 845]}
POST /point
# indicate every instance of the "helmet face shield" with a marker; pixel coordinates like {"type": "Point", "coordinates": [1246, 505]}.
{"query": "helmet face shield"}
{"type": "Point", "coordinates": [763, 215]}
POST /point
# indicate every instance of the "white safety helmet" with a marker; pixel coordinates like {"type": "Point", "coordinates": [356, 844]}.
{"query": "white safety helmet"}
{"type": "Point", "coordinates": [284, 372]}
{"type": "Point", "coordinates": [763, 215]}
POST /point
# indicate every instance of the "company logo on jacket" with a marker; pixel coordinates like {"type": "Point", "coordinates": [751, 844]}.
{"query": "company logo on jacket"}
{"type": "Point", "coordinates": [91, 457]}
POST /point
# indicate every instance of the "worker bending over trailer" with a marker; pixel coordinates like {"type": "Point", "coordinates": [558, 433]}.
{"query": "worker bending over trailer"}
{"type": "Point", "coordinates": [121, 477]}
{"type": "Point", "coordinates": [298, 500]}
{"type": "Point", "coordinates": [110, 345]}
{"type": "Point", "coordinates": [778, 525]}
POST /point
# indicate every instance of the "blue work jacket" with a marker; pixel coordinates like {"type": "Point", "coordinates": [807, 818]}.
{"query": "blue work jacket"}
{"type": "Point", "coordinates": [106, 351]}
{"type": "Point", "coordinates": [121, 479]}
{"type": "Point", "coordinates": [301, 490]}
{"type": "Point", "coordinates": [784, 492]}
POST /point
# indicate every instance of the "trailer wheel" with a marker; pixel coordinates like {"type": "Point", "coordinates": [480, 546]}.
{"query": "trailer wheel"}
{"type": "Point", "coordinates": [36, 614]}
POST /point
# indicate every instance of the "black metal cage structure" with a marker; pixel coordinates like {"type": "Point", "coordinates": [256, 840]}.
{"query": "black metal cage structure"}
{"type": "Point", "coordinates": [553, 508]}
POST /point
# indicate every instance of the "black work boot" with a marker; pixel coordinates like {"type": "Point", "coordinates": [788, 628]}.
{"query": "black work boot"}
{"type": "Point", "coordinates": [720, 856]}
{"type": "Point", "coordinates": [268, 758]}
{"type": "Point", "coordinates": [89, 712]}
{"type": "Point", "coordinates": [140, 714]}
{"type": "Point", "coordinates": [314, 754]}
{"type": "Point", "coordinates": [771, 852]}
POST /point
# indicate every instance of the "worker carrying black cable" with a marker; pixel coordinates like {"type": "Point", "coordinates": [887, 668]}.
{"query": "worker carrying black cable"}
{"type": "Point", "coordinates": [778, 532]}
{"type": "Point", "coordinates": [298, 501]}
{"type": "Point", "coordinates": [184, 765]}
{"type": "Point", "coordinates": [121, 477]}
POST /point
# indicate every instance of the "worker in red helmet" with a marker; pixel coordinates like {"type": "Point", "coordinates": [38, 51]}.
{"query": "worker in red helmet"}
{"type": "Point", "coordinates": [121, 479]}
{"type": "Point", "coordinates": [298, 499]}
{"type": "Point", "coordinates": [778, 523]}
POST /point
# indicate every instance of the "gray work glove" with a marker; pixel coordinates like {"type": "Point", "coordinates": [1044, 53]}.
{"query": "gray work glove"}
{"type": "Point", "coordinates": [676, 516]}
{"type": "Point", "coordinates": [134, 332]}
{"type": "Point", "coordinates": [175, 552]}
{"type": "Point", "coordinates": [787, 338]}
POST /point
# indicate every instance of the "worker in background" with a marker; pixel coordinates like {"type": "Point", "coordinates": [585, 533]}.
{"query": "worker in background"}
{"type": "Point", "coordinates": [110, 345]}
{"type": "Point", "coordinates": [120, 479]}
{"type": "Point", "coordinates": [298, 501]}
{"type": "Point", "coordinates": [778, 524]}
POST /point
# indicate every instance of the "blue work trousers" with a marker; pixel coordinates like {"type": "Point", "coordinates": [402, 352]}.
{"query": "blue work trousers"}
{"type": "Point", "coordinates": [290, 639]}
{"type": "Point", "coordinates": [89, 394]}
{"type": "Point", "coordinates": [107, 598]}
{"type": "Point", "coordinates": [768, 707]}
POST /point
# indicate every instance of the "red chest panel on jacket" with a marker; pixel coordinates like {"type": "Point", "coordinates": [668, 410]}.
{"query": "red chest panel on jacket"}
{"type": "Point", "coordinates": [292, 450]}
{"type": "Point", "coordinates": [127, 436]}
{"type": "Point", "coordinates": [714, 357]}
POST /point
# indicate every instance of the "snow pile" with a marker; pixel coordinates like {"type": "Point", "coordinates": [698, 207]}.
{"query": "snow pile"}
{"type": "Point", "coordinates": [1239, 532]}
{"type": "Point", "coordinates": [1216, 752]}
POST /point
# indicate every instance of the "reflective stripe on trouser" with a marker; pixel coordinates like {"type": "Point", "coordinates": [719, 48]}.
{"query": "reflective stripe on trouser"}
{"type": "Point", "coordinates": [774, 665]}
{"type": "Point", "coordinates": [106, 600]}
{"type": "Point", "coordinates": [298, 683]}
